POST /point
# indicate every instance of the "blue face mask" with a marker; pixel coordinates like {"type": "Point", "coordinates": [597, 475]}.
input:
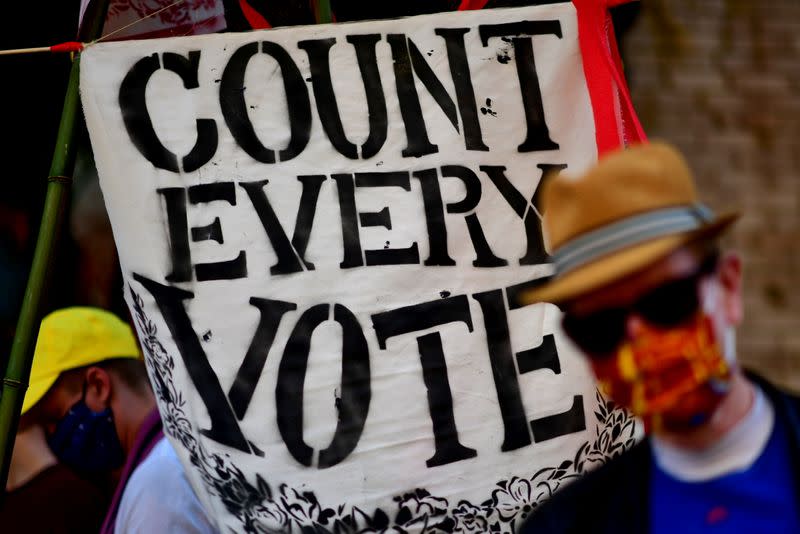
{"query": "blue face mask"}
{"type": "Point", "coordinates": [87, 441]}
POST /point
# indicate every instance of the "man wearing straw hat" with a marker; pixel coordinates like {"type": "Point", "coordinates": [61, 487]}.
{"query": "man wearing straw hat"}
{"type": "Point", "coordinates": [89, 390]}
{"type": "Point", "coordinates": [653, 304]}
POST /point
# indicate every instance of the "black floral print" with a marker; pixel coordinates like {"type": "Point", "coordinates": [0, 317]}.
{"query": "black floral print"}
{"type": "Point", "coordinates": [259, 509]}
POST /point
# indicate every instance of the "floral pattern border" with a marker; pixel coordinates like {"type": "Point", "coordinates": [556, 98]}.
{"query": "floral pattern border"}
{"type": "Point", "coordinates": [260, 508]}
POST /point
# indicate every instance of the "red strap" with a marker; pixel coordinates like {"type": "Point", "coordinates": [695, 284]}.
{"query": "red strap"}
{"type": "Point", "coordinates": [254, 18]}
{"type": "Point", "coordinates": [602, 68]}
{"type": "Point", "coordinates": [466, 5]}
{"type": "Point", "coordinates": [632, 128]}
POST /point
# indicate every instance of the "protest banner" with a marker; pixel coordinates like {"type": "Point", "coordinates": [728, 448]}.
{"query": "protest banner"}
{"type": "Point", "coordinates": [323, 231]}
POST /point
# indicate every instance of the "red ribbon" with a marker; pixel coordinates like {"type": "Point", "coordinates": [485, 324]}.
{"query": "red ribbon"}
{"type": "Point", "coordinates": [70, 46]}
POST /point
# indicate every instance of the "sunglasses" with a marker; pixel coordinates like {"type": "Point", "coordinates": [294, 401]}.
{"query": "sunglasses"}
{"type": "Point", "coordinates": [669, 305]}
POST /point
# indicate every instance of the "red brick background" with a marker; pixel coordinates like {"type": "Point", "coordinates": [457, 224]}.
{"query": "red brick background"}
{"type": "Point", "coordinates": [721, 80]}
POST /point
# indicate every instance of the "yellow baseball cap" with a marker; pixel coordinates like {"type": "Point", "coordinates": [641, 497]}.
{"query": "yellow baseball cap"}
{"type": "Point", "coordinates": [76, 337]}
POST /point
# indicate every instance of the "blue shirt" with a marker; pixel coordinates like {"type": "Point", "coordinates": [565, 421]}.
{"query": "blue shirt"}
{"type": "Point", "coordinates": [759, 500]}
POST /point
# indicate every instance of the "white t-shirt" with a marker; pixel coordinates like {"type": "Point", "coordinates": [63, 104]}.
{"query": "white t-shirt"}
{"type": "Point", "coordinates": [158, 498]}
{"type": "Point", "coordinates": [736, 451]}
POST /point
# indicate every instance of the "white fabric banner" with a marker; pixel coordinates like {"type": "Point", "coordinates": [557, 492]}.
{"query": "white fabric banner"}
{"type": "Point", "coordinates": [324, 231]}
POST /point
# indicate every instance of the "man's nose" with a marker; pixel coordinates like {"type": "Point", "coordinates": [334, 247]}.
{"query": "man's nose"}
{"type": "Point", "coordinates": [634, 324]}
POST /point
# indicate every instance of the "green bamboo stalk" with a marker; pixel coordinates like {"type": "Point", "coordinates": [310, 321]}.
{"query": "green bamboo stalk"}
{"type": "Point", "coordinates": [19, 364]}
{"type": "Point", "coordinates": [15, 381]}
{"type": "Point", "coordinates": [322, 11]}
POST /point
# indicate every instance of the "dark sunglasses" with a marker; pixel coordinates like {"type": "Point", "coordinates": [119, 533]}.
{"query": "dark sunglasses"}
{"type": "Point", "coordinates": [669, 305]}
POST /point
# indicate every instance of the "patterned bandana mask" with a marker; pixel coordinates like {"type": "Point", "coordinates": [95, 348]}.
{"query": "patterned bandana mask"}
{"type": "Point", "coordinates": [672, 377]}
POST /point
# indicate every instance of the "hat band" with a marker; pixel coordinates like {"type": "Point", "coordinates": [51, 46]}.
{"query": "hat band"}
{"type": "Point", "coordinates": [630, 231]}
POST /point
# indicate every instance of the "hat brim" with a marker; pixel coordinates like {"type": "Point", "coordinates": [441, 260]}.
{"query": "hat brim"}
{"type": "Point", "coordinates": [620, 263]}
{"type": "Point", "coordinates": [40, 386]}
{"type": "Point", "coordinates": [36, 390]}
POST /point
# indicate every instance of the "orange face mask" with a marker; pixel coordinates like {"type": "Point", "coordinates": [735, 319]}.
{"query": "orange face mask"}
{"type": "Point", "coordinates": [669, 378]}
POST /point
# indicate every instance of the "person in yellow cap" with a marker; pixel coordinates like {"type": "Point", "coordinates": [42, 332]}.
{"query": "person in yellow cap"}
{"type": "Point", "coordinates": [653, 303]}
{"type": "Point", "coordinates": [90, 392]}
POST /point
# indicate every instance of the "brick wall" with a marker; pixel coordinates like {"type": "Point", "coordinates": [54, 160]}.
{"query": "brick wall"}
{"type": "Point", "coordinates": [721, 80]}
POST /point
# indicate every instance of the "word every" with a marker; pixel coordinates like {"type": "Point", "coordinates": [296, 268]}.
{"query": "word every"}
{"type": "Point", "coordinates": [291, 252]}
{"type": "Point", "coordinates": [226, 409]}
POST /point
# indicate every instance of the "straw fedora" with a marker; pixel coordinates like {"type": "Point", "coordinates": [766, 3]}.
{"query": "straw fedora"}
{"type": "Point", "coordinates": [634, 207]}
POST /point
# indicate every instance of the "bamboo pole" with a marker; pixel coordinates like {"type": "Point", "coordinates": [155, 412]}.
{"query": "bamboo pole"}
{"type": "Point", "coordinates": [15, 381]}
{"type": "Point", "coordinates": [323, 11]}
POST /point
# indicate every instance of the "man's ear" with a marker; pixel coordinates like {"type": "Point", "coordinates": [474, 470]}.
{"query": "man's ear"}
{"type": "Point", "coordinates": [730, 278]}
{"type": "Point", "coordinates": [98, 388]}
